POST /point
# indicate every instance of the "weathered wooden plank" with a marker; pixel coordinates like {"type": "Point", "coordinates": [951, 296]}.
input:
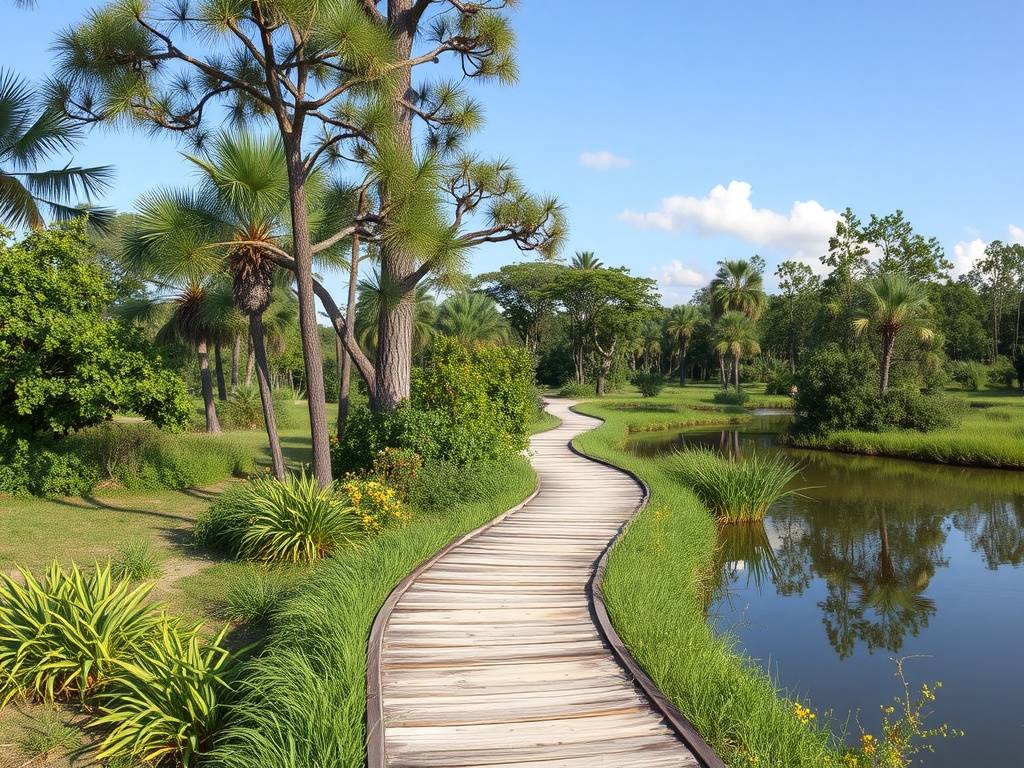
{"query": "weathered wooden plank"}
{"type": "Point", "coordinates": [491, 658]}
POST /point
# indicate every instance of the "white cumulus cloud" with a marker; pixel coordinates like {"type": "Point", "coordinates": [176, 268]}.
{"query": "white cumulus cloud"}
{"type": "Point", "coordinates": [677, 274]}
{"type": "Point", "coordinates": [803, 230]}
{"type": "Point", "coordinates": [1016, 234]}
{"type": "Point", "coordinates": [966, 253]}
{"type": "Point", "coordinates": [603, 160]}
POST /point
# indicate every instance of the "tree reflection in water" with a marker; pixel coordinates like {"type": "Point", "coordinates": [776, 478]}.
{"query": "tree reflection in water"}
{"type": "Point", "coordinates": [874, 533]}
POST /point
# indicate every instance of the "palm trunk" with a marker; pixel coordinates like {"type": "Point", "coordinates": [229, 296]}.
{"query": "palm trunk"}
{"type": "Point", "coordinates": [249, 363]}
{"type": "Point", "coordinates": [682, 364]}
{"type": "Point", "coordinates": [311, 352]}
{"type": "Point", "coordinates": [736, 372]}
{"type": "Point", "coordinates": [206, 380]}
{"type": "Point", "coordinates": [887, 347]}
{"type": "Point", "coordinates": [721, 371]}
{"type": "Point", "coordinates": [218, 365]}
{"type": "Point", "coordinates": [266, 396]}
{"type": "Point", "coordinates": [235, 354]}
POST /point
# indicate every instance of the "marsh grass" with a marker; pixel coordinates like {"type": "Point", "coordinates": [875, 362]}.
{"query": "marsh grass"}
{"type": "Point", "coordinates": [255, 596]}
{"type": "Point", "coordinates": [659, 578]}
{"type": "Point", "coordinates": [736, 490]}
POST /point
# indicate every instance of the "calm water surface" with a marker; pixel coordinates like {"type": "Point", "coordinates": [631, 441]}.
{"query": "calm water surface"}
{"type": "Point", "coordinates": [886, 558]}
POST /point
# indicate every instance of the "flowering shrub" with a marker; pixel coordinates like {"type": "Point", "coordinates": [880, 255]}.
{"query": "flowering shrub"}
{"type": "Point", "coordinates": [376, 505]}
{"type": "Point", "coordinates": [398, 468]}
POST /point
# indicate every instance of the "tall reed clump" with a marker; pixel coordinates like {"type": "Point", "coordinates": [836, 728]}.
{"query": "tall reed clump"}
{"type": "Point", "coordinates": [735, 490]}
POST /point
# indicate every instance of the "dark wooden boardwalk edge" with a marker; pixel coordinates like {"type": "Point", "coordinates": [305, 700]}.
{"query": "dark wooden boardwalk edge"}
{"type": "Point", "coordinates": [676, 719]}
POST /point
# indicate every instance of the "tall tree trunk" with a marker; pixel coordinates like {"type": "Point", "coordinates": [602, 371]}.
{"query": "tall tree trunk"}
{"type": "Point", "coordinates": [721, 371]}
{"type": "Point", "coordinates": [397, 263]}
{"type": "Point", "coordinates": [266, 396]}
{"type": "Point", "coordinates": [235, 354]}
{"type": "Point", "coordinates": [218, 365]}
{"type": "Point", "coordinates": [206, 380]}
{"type": "Point", "coordinates": [887, 347]}
{"type": "Point", "coordinates": [312, 353]}
{"type": "Point", "coordinates": [345, 370]}
{"type": "Point", "coordinates": [736, 372]}
{"type": "Point", "coordinates": [682, 364]}
{"type": "Point", "coordinates": [249, 363]}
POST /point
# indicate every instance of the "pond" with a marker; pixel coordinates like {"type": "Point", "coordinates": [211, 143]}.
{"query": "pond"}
{"type": "Point", "coordinates": [884, 558]}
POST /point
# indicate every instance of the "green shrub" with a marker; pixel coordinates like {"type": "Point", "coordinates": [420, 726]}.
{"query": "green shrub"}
{"type": "Point", "coordinates": [397, 468]}
{"type": "Point", "coordinates": [1002, 372]}
{"type": "Point", "coordinates": [780, 381]}
{"type": "Point", "coordinates": [270, 521]}
{"type": "Point", "coordinates": [44, 469]}
{"type": "Point", "coordinates": [730, 397]}
{"type": "Point", "coordinates": [244, 408]}
{"type": "Point", "coordinates": [736, 490]}
{"type": "Point", "coordinates": [255, 595]}
{"type": "Point", "coordinates": [968, 374]}
{"type": "Point", "coordinates": [649, 384]}
{"type": "Point", "coordinates": [62, 636]}
{"type": "Point", "coordinates": [465, 406]}
{"type": "Point", "coordinates": [141, 457]}
{"type": "Point", "coordinates": [908, 408]}
{"type": "Point", "coordinates": [135, 561]}
{"type": "Point", "coordinates": [575, 391]}
{"type": "Point", "coordinates": [168, 702]}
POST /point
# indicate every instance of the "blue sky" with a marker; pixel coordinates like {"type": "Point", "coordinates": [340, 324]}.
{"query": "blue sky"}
{"type": "Point", "coordinates": [807, 106]}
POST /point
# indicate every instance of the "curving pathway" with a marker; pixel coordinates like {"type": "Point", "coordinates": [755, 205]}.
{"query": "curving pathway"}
{"type": "Point", "coordinates": [490, 656]}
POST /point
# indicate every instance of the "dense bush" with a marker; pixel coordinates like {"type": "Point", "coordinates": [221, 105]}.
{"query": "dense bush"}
{"type": "Point", "coordinates": [66, 364]}
{"type": "Point", "coordinates": [142, 457]}
{"type": "Point", "coordinates": [1002, 372]}
{"type": "Point", "coordinates": [575, 391]}
{"type": "Point", "coordinates": [649, 384]}
{"type": "Point", "coordinates": [256, 595]}
{"type": "Point", "coordinates": [397, 468]}
{"type": "Point", "coordinates": [780, 381]}
{"type": "Point", "coordinates": [968, 374]}
{"type": "Point", "coordinates": [465, 406]}
{"type": "Point", "coordinates": [839, 390]}
{"type": "Point", "coordinates": [730, 397]}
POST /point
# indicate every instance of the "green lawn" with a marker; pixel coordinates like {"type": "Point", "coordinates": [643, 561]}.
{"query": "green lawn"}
{"type": "Point", "coordinates": [656, 589]}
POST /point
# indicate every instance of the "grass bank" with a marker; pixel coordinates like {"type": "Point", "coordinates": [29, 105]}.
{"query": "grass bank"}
{"type": "Point", "coordinates": [990, 435]}
{"type": "Point", "coordinates": [304, 698]}
{"type": "Point", "coordinates": [656, 588]}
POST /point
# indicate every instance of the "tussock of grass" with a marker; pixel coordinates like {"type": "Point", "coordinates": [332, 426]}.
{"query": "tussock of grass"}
{"type": "Point", "coordinates": [256, 595]}
{"type": "Point", "coordinates": [736, 491]}
{"type": "Point", "coordinates": [135, 561]}
{"type": "Point", "coordinates": [656, 588]}
{"type": "Point", "coordinates": [48, 733]}
{"type": "Point", "coordinates": [303, 701]}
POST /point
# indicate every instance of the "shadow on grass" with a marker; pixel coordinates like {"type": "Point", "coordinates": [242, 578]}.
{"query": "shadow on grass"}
{"type": "Point", "coordinates": [91, 502]}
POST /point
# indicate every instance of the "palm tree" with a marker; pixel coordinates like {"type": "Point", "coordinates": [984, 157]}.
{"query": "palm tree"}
{"type": "Point", "coordinates": [738, 287]}
{"type": "Point", "coordinates": [233, 223]}
{"type": "Point", "coordinates": [681, 325]}
{"type": "Point", "coordinates": [185, 316]}
{"type": "Point", "coordinates": [29, 137]}
{"type": "Point", "coordinates": [736, 335]}
{"type": "Point", "coordinates": [894, 304]}
{"type": "Point", "coordinates": [472, 317]}
{"type": "Point", "coordinates": [373, 293]}
{"type": "Point", "coordinates": [586, 260]}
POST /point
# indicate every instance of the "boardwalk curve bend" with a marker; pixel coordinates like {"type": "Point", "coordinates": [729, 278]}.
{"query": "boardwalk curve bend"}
{"type": "Point", "coordinates": [494, 653]}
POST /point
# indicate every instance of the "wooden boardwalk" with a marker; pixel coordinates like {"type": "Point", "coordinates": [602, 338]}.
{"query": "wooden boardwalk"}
{"type": "Point", "coordinates": [491, 657]}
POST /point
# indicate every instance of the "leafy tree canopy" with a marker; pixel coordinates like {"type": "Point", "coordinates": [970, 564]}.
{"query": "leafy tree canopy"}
{"type": "Point", "coordinates": [64, 363]}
